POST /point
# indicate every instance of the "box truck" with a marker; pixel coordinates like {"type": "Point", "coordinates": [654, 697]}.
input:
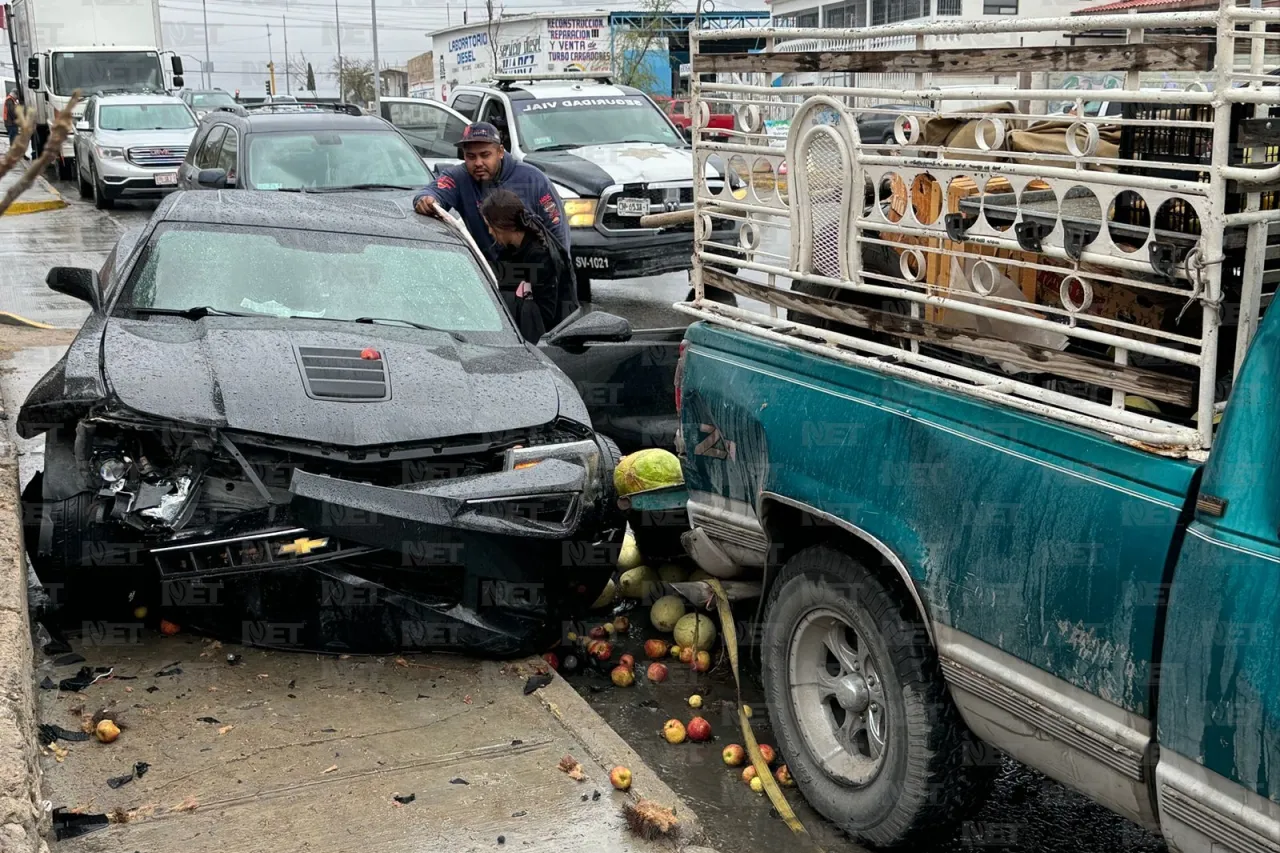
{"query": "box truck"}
{"type": "Point", "coordinates": [90, 46]}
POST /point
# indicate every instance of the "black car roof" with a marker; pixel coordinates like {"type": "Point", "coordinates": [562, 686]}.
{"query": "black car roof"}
{"type": "Point", "coordinates": [386, 214]}
{"type": "Point", "coordinates": [307, 120]}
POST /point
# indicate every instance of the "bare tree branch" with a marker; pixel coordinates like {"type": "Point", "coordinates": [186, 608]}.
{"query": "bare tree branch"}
{"type": "Point", "coordinates": [63, 123]}
{"type": "Point", "coordinates": [18, 148]}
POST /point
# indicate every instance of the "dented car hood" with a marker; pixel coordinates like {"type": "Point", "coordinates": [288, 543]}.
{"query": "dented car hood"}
{"type": "Point", "coordinates": [276, 377]}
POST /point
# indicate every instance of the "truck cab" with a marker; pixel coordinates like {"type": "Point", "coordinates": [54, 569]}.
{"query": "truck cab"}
{"type": "Point", "coordinates": [613, 156]}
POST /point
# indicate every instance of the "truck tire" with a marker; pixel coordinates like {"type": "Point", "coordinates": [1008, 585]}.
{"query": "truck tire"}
{"type": "Point", "coordinates": [583, 282]}
{"type": "Point", "coordinates": [100, 199]}
{"type": "Point", "coordinates": [85, 188]}
{"type": "Point", "coordinates": [860, 708]}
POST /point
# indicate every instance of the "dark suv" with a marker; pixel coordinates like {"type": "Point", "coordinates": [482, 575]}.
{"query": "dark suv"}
{"type": "Point", "coordinates": [296, 150]}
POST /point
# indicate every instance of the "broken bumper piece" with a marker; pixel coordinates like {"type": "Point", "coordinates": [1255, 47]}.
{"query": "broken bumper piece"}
{"type": "Point", "coordinates": [545, 499]}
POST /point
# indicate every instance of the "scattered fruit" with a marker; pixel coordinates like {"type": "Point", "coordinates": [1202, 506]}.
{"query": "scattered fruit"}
{"type": "Point", "coordinates": [695, 701]}
{"type": "Point", "coordinates": [748, 773]}
{"type": "Point", "coordinates": [699, 730]}
{"type": "Point", "coordinates": [650, 468]}
{"type": "Point", "coordinates": [593, 645]}
{"type": "Point", "coordinates": [552, 660]}
{"type": "Point", "coordinates": [139, 613]}
{"type": "Point", "coordinates": [686, 654]}
{"type": "Point", "coordinates": [702, 662]}
{"type": "Point", "coordinates": [666, 613]}
{"type": "Point", "coordinates": [783, 775]}
{"type": "Point", "coordinates": [629, 557]}
{"type": "Point", "coordinates": [767, 753]}
{"type": "Point", "coordinates": [656, 649]}
{"type": "Point", "coordinates": [672, 573]}
{"type": "Point", "coordinates": [623, 676]}
{"type": "Point", "coordinates": [674, 731]}
{"type": "Point", "coordinates": [638, 583]}
{"type": "Point", "coordinates": [168, 628]}
{"type": "Point", "coordinates": [747, 710]}
{"type": "Point", "coordinates": [107, 731]}
{"type": "Point", "coordinates": [598, 633]}
{"type": "Point", "coordinates": [622, 624]}
{"type": "Point", "coordinates": [697, 630]}
{"type": "Point", "coordinates": [571, 637]}
{"type": "Point", "coordinates": [608, 596]}
{"type": "Point", "coordinates": [734, 755]}
{"type": "Point", "coordinates": [628, 661]}
{"type": "Point", "coordinates": [676, 652]}
{"type": "Point", "coordinates": [757, 784]}
{"type": "Point", "coordinates": [621, 778]}
{"type": "Point", "coordinates": [657, 672]}
{"type": "Point", "coordinates": [603, 651]}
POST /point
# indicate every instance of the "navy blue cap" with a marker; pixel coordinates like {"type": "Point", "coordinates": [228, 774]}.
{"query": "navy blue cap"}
{"type": "Point", "coordinates": [481, 131]}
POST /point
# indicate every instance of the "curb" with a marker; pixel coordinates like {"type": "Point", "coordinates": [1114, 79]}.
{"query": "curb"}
{"type": "Point", "coordinates": [55, 203]}
{"type": "Point", "coordinates": [22, 816]}
{"type": "Point", "coordinates": [606, 748]}
{"type": "Point", "coordinates": [9, 319]}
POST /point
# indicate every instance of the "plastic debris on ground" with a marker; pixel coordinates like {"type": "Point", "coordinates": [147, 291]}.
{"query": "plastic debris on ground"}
{"type": "Point", "coordinates": [405, 799]}
{"type": "Point", "coordinates": [49, 733]}
{"type": "Point", "coordinates": [67, 824]}
{"type": "Point", "coordinates": [537, 681]}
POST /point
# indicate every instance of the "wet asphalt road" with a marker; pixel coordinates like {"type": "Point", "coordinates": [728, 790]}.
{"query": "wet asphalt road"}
{"type": "Point", "coordinates": [1027, 813]}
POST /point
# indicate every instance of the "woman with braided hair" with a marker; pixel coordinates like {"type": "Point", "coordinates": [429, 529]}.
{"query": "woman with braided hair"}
{"type": "Point", "coordinates": [535, 277]}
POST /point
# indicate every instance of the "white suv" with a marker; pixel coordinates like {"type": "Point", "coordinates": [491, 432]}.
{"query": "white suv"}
{"type": "Point", "coordinates": [130, 146]}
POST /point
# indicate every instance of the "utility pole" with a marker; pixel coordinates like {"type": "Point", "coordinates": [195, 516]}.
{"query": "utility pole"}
{"type": "Point", "coordinates": [337, 22]}
{"type": "Point", "coordinates": [271, 60]}
{"type": "Point", "coordinates": [208, 84]}
{"type": "Point", "coordinates": [288, 89]}
{"type": "Point", "coordinates": [377, 69]}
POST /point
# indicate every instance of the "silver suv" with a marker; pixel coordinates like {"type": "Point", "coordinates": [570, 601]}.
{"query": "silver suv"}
{"type": "Point", "coordinates": [130, 146]}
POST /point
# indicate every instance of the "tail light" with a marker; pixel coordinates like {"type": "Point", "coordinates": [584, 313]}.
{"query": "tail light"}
{"type": "Point", "coordinates": [679, 380]}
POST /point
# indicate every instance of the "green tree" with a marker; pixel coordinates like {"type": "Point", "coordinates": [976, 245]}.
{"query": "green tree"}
{"type": "Point", "coordinates": [634, 45]}
{"type": "Point", "coordinates": [355, 79]}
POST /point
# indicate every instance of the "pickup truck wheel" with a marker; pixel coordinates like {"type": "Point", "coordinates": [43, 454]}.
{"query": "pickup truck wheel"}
{"type": "Point", "coordinates": [583, 282]}
{"type": "Point", "coordinates": [860, 706]}
{"type": "Point", "coordinates": [86, 188]}
{"type": "Point", "coordinates": [100, 199]}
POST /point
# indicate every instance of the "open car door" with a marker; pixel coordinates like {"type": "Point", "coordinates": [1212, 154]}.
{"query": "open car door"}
{"type": "Point", "coordinates": [431, 127]}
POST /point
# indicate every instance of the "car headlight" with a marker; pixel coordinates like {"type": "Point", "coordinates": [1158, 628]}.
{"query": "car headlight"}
{"type": "Point", "coordinates": [585, 452]}
{"type": "Point", "coordinates": [108, 153]}
{"type": "Point", "coordinates": [581, 212]}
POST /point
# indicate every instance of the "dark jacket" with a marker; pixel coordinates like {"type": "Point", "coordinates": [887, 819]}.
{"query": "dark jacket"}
{"type": "Point", "coordinates": [455, 189]}
{"type": "Point", "coordinates": [541, 261]}
{"type": "Point", "coordinates": [11, 110]}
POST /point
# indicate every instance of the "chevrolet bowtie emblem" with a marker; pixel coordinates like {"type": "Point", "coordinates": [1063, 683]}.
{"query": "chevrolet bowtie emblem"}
{"type": "Point", "coordinates": [302, 547]}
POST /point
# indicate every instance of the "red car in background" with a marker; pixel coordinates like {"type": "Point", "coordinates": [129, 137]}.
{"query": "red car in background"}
{"type": "Point", "coordinates": [678, 111]}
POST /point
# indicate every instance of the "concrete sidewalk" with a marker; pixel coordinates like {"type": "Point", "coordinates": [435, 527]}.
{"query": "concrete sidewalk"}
{"type": "Point", "coordinates": [40, 196]}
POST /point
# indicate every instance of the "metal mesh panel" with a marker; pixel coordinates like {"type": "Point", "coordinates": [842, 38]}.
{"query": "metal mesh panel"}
{"type": "Point", "coordinates": [826, 181]}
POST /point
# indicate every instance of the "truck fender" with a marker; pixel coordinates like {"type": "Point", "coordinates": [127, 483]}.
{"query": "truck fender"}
{"type": "Point", "coordinates": [890, 556]}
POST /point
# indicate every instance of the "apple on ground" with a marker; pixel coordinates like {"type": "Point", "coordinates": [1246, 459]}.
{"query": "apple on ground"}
{"type": "Point", "coordinates": [783, 775]}
{"type": "Point", "coordinates": [687, 654]}
{"type": "Point", "coordinates": [674, 731]}
{"type": "Point", "coordinates": [603, 651]}
{"type": "Point", "coordinates": [552, 660]}
{"type": "Point", "coordinates": [622, 625]}
{"type": "Point", "coordinates": [734, 755]}
{"type": "Point", "coordinates": [655, 649]}
{"type": "Point", "coordinates": [627, 660]}
{"type": "Point", "coordinates": [701, 662]}
{"type": "Point", "coordinates": [748, 773]}
{"type": "Point", "coordinates": [621, 778]}
{"type": "Point", "coordinates": [598, 633]}
{"type": "Point", "coordinates": [767, 753]}
{"type": "Point", "coordinates": [657, 672]}
{"type": "Point", "coordinates": [699, 730]}
{"type": "Point", "coordinates": [623, 676]}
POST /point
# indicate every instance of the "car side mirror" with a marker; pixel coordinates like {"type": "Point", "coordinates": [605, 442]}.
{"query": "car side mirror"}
{"type": "Point", "coordinates": [176, 62]}
{"type": "Point", "coordinates": [78, 282]}
{"type": "Point", "coordinates": [82, 126]}
{"type": "Point", "coordinates": [177, 81]}
{"type": "Point", "coordinates": [33, 83]}
{"type": "Point", "coordinates": [596, 327]}
{"type": "Point", "coordinates": [214, 179]}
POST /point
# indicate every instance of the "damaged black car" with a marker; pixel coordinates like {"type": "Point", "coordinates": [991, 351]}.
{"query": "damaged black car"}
{"type": "Point", "coordinates": [310, 422]}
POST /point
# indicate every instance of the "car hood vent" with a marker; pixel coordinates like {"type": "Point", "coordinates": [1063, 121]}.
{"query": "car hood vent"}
{"type": "Point", "coordinates": [330, 373]}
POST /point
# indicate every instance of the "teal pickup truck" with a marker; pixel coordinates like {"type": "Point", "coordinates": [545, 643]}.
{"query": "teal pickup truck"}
{"type": "Point", "coordinates": [1017, 486]}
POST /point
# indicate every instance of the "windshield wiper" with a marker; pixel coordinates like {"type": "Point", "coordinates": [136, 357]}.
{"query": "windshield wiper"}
{"type": "Point", "coordinates": [192, 313]}
{"type": "Point", "coordinates": [350, 187]}
{"type": "Point", "coordinates": [373, 320]}
{"type": "Point", "coordinates": [563, 146]}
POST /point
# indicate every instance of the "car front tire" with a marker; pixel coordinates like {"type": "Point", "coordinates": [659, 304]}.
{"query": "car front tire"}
{"type": "Point", "coordinates": [860, 707]}
{"type": "Point", "coordinates": [100, 199]}
{"type": "Point", "coordinates": [85, 187]}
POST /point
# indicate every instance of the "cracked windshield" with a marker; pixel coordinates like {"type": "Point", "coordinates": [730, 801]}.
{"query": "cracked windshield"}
{"type": "Point", "coordinates": [306, 274]}
{"type": "Point", "coordinates": [332, 160]}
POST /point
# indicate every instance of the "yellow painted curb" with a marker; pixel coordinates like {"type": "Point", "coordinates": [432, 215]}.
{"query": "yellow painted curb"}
{"type": "Point", "coordinates": [8, 319]}
{"type": "Point", "coordinates": [34, 206]}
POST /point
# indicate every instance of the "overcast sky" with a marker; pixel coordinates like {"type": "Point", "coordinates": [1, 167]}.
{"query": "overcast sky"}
{"type": "Point", "coordinates": [239, 48]}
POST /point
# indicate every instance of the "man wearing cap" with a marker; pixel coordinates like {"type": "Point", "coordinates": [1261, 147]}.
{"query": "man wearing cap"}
{"type": "Point", "coordinates": [485, 168]}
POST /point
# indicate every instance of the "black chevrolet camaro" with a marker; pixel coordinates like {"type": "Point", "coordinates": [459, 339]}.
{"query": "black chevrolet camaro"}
{"type": "Point", "coordinates": [308, 421]}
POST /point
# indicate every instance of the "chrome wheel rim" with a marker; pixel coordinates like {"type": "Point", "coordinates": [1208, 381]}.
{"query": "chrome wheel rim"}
{"type": "Point", "coordinates": [838, 697]}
